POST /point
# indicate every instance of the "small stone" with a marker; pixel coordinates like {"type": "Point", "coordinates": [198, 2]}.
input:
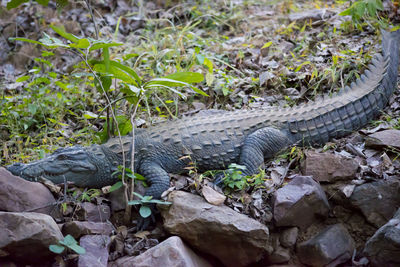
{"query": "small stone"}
{"type": "Point", "coordinates": [328, 167]}
{"type": "Point", "coordinates": [289, 237]}
{"type": "Point", "coordinates": [301, 202]}
{"type": "Point", "coordinates": [93, 213]}
{"type": "Point", "coordinates": [117, 199]}
{"type": "Point", "coordinates": [280, 255]}
{"type": "Point", "coordinates": [199, 105]}
{"type": "Point", "coordinates": [171, 252]}
{"type": "Point", "coordinates": [331, 247]}
{"type": "Point", "coordinates": [316, 14]}
{"type": "Point", "coordinates": [78, 228]}
{"type": "Point", "coordinates": [384, 138]}
{"type": "Point", "coordinates": [383, 248]}
{"type": "Point", "coordinates": [212, 196]}
{"type": "Point", "coordinates": [97, 248]}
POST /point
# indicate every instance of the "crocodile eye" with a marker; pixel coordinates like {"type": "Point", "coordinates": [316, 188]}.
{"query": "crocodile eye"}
{"type": "Point", "coordinates": [62, 157]}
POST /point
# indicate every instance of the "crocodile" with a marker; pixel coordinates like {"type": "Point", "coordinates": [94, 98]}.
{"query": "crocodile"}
{"type": "Point", "coordinates": [247, 137]}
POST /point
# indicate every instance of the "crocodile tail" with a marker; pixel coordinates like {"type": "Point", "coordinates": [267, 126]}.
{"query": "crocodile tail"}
{"type": "Point", "coordinates": [390, 50]}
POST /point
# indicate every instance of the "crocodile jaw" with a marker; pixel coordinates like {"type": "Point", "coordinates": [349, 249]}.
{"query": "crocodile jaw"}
{"type": "Point", "coordinates": [72, 164]}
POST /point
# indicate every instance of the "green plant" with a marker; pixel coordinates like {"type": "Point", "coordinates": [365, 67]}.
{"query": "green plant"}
{"type": "Point", "coordinates": [68, 242]}
{"type": "Point", "coordinates": [128, 174]}
{"type": "Point", "coordinates": [145, 211]}
{"type": "Point", "coordinates": [363, 9]}
{"type": "Point", "coordinates": [257, 180]}
{"type": "Point", "coordinates": [87, 195]}
{"type": "Point", "coordinates": [234, 178]}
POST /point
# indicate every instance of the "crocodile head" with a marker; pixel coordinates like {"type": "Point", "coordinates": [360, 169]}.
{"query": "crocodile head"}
{"type": "Point", "coordinates": [85, 167]}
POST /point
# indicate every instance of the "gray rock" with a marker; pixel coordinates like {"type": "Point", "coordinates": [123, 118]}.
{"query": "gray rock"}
{"type": "Point", "coordinates": [17, 194]}
{"type": "Point", "coordinates": [384, 138]}
{"type": "Point", "coordinates": [377, 200]}
{"type": "Point", "coordinates": [300, 203]}
{"type": "Point", "coordinates": [383, 248]}
{"type": "Point", "coordinates": [288, 237]}
{"type": "Point", "coordinates": [280, 255]}
{"type": "Point", "coordinates": [233, 238]}
{"type": "Point", "coordinates": [78, 228]}
{"type": "Point", "coordinates": [171, 252]}
{"type": "Point", "coordinates": [328, 167]}
{"type": "Point", "coordinates": [97, 248]}
{"type": "Point", "coordinates": [93, 213]}
{"type": "Point", "coordinates": [26, 236]}
{"type": "Point", "coordinates": [331, 247]}
{"type": "Point", "coordinates": [117, 199]}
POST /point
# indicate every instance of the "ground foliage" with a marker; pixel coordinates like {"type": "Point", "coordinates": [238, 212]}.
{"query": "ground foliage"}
{"type": "Point", "coordinates": [253, 54]}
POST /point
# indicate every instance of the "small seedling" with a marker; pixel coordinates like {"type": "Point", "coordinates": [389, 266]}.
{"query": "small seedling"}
{"type": "Point", "coordinates": [145, 201]}
{"type": "Point", "coordinates": [68, 242]}
{"type": "Point", "coordinates": [234, 178]}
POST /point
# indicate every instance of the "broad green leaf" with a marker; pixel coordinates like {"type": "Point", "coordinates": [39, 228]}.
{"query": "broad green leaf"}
{"type": "Point", "coordinates": [115, 73]}
{"type": "Point", "coordinates": [61, 85]}
{"type": "Point", "coordinates": [301, 65]}
{"type": "Point", "coordinates": [145, 211]}
{"type": "Point", "coordinates": [379, 4]}
{"type": "Point", "coordinates": [22, 78]}
{"type": "Point", "coordinates": [130, 94]}
{"type": "Point", "coordinates": [139, 177]}
{"type": "Point", "coordinates": [47, 53]}
{"type": "Point", "coordinates": [167, 82]}
{"type": "Point", "coordinates": [106, 82]}
{"type": "Point", "coordinates": [51, 42]}
{"type": "Point", "coordinates": [78, 249]}
{"type": "Point", "coordinates": [138, 195]}
{"type": "Point", "coordinates": [187, 77]}
{"type": "Point", "coordinates": [82, 43]}
{"type": "Point", "coordinates": [128, 70]}
{"type": "Point", "coordinates": [56, 249]}
{"type": "Point", "coordinates": [147, 198]}
{"type": "Point", "coordinates": [106, 58]}
{"type": "Point", "coordinates": [102, 45]}
{"type": "Point", "coordinates": [359, 8]}
{"type": "Point", "coordinates": [25, 40]}
{"type": "Point", "coordinates": [90, 115]}
{"type": "Point", "coordinates": [208, 63]}
{"type": "Point", "coordinates": [120, 71]}
{"type": "Point", "coordinates": [267, 44]}
{"type": "Point", "coordinates": [15, 3]}
{"type": "Point", "coordinates": [371, 9]}
{"type": "Point", "coordinates": [134, 202]}
{"type": "Point", "coordinates": [68, 241]}
{"type": "Point", "coordinates": [61, 31]}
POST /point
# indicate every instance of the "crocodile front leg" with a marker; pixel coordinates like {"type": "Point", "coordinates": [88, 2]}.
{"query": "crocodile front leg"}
{"type": "Point", "coordinates": [263, 143]}
{"type": "Point", "coordinates": [156, 176]}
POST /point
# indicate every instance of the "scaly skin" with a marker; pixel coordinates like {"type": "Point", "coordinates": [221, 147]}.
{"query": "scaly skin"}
{"type": "Point", "coordinates": [214, 142]}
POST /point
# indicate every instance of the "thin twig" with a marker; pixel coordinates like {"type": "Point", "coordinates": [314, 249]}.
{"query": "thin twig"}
{"type": "Point", "coordinates": [93, 19]}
